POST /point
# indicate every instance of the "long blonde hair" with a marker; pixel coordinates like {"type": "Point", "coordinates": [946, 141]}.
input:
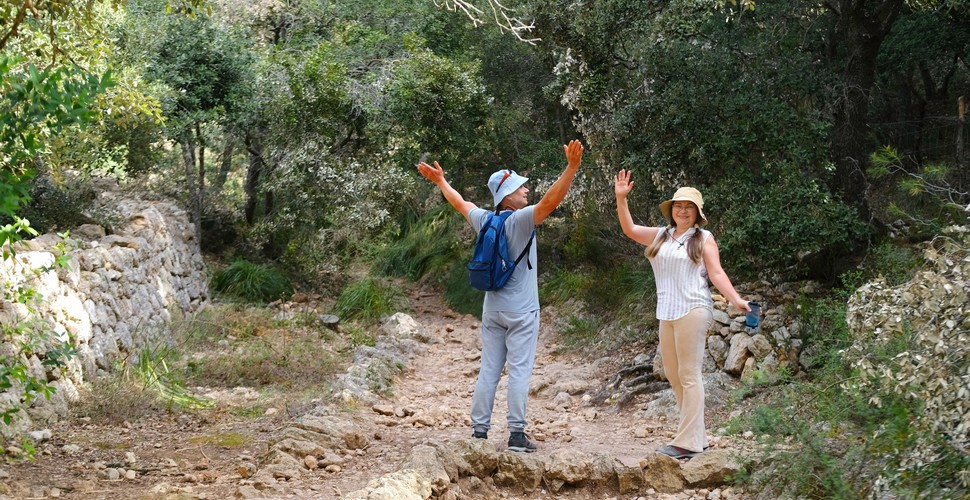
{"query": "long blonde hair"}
{"type": "Point", "coordinates": [695, 244]}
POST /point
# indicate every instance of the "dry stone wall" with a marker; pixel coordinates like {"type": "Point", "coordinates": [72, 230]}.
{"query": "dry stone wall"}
{"type": "Point", "coordinates": [119, 292]}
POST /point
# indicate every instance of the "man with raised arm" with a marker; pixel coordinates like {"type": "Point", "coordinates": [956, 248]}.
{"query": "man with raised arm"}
{"type": "Point", "coordinates": [510, 315]}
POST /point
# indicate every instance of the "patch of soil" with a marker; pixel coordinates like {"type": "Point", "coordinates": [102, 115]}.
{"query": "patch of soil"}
{"type": "Point", "coordinates": [206, 454]}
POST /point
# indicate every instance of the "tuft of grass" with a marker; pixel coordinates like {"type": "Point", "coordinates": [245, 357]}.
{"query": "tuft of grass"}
{"type": "Point", "coordinates": [897, 264]}
{"type": "Point", "coordinates": [139, 386]}
{"type": "Point", "coordinates": [360, 336]}
{"type": "Point", "coordinates": [223, 439]}
{"type": "Point", "coordinates": [249, 411]}
{"type": "Point", "coordinates": [370, 300]}
{"type": "Point", "coordinates": [114, 399]}
{"type": "Point", "coordinates": [234, 345]}
{"type": "Point", "coordinates": [245, 346]}
{"type": "Point", "coordinates": [579, 333]}
{"type": "Point", "coordinates": [252, 282]}
{"type": "Point", "coordinates": [151, 369]}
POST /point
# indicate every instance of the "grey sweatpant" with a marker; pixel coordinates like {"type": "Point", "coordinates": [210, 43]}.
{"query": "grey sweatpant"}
{"type": "Point", "coordinates": [507, 339]}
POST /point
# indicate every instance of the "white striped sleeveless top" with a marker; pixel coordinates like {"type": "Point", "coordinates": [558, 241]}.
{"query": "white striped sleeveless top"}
{"type": "Point", "coordinates": [682, 285]}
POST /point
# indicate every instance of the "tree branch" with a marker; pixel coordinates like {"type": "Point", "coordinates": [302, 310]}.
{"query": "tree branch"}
{"type": "Point", "coordinates": [21, 14]}
{"type": "Point", "coordinates": [502, 17]}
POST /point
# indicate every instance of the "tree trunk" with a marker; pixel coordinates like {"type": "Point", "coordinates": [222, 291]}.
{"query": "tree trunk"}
{"type": "Point", "coordinates": [200, 190]}
{"type": "Point", "coordinates": [225, 163]}
{"type": "Point", "coordinates": [961, 159]}
{"type": "Point", "coordinates": [255, 148]}
{"type": "Point", "coordinates": [862, 26]}
{"type": "Point", "coordinates": [188, 157]}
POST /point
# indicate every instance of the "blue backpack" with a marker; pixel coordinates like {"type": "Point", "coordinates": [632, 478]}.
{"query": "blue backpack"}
{"type": "Point", "coordinates": [491, 266]}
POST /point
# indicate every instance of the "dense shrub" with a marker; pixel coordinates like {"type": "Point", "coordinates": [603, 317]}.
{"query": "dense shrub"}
{"type": "Point", "coordinates": [911, 343]}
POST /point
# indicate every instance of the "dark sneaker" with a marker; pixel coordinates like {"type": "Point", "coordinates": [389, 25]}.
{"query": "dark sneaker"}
{"type": "Point", "coordinates": [520, 443]}
{"type": "Point", "coordinates": [480, 435]}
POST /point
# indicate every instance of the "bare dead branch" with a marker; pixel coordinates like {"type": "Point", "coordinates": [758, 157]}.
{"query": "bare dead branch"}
{"type": "Point", "coordinates": [502, 16]}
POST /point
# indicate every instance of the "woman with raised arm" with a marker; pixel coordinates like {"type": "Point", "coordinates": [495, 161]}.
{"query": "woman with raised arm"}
{"type": "Point", "coordinates": [684, 256]}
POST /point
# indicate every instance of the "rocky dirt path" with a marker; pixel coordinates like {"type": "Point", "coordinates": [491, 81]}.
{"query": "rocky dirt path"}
{"type": "Point", "coordinates": [208, 453]}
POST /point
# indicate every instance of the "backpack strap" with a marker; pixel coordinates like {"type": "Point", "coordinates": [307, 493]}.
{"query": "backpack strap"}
{"type": "Point", "coordinates": [526, 250]}
{"type": "Point", "coordinates": [505, 217]}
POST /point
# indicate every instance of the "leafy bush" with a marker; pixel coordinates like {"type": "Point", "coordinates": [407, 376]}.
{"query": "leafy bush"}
{"type": "Point", "coordinates": [910, 344]}
{"type": "Point", "coordinates": [252, 282]}
{"type": "Point", "coordinates": [896, 265]}
{"type": "Point", "coordinates": [55, 207]}
{"type": "Point", "coordinates": [780, 222]}
{"type": "Point", "coordinates": [884, 413]}
{"type": "Point", "coordinates": [927, 197]}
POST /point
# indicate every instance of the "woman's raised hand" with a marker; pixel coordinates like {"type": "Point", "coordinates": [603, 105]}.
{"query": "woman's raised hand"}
{"type": "Point", "coordinates": [622, 183]}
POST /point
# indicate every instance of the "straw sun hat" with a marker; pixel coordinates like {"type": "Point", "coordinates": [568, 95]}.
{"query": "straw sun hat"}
{"type": "Point", "coordinates": [685, 194]}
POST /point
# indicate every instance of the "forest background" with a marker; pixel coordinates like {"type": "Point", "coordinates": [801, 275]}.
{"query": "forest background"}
{"type": "Point", "coordinates": [827, 137]}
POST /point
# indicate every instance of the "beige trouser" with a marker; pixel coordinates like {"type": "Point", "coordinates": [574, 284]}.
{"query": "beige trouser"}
{"type": "Point", "coordinates": [682, 349]}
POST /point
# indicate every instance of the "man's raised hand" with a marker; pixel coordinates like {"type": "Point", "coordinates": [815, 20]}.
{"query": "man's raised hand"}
{"type": "Point", "coordinates": [574, 153]}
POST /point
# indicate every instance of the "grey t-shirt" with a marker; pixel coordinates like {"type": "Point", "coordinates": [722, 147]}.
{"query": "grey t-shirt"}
{"type": "Point", "coordinates": [521, 293]}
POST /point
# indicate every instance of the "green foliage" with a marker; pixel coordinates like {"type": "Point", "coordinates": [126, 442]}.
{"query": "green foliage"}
{"type": "Point", "coordinates": [360, 336]}
{"type": "Point", "coordinates": [896, 264]}
{"type": "Point", "coordinates": [427, 247]}
{"type": "Point", "coordinates": [54, 207]}
{"type": "Point", "coordinates": [589, 236]}
{"type": "Point", "coordinates": [370, 299]}
{"type": "Point", "coordinates": [837, 436]}
{"type": "Point", "coordinates": [37, 105]}
{"type": "Point", "coordinates": [564, 284]}
{"type": "Point", "coordinates": [460, 296]}
{"type": "Point", "coordinates": [151, 369]}
{"type": "Point", "coordinates": [428, 94]}
{"type": "Point", "coordinates": [770, 221]}
{"type": "Point", "coordinates": [926, 196]}
{"type": "Point", "coordinates": [204, 65]}
{"type": "Point", "coordinates": [435, 247]}
{"type": "Point", "coordinates": [114, 399]}
{"type": "Point", "coordinates": [663, 104]}
{"type": "Point", "coordinates": [252, 282]}
{"type": "Point", "coordinates": [623, 288]}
